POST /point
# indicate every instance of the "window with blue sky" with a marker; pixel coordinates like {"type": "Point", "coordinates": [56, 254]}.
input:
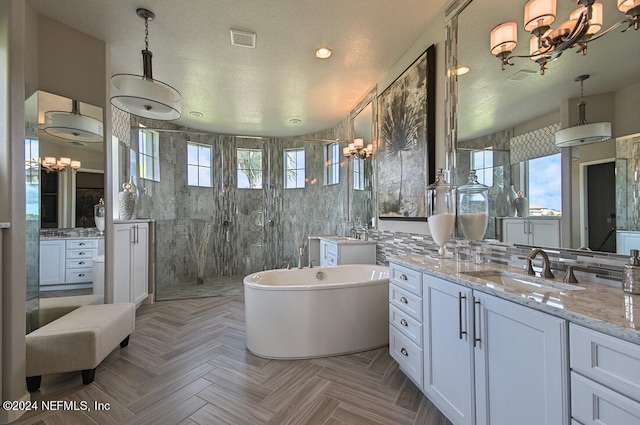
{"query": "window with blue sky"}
{"type": "Point", "coordinates": [294, 168]}
{"type": "Point", "coordinates": [199, 160]}
{"type": "Point", "coordinates": [332, 163]}
{"type": "Point", "coordinates": [149, 155]}
{"type": "Point", "coordinates": [249, 166]}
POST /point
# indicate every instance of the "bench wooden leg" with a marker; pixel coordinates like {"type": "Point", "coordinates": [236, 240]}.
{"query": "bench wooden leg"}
{"type": "Point", "coordinates": [88, 375]}
{"type": "Point", "coordinates": [125, 342]}
{"type": "Point", "coordinates": [33, 383]}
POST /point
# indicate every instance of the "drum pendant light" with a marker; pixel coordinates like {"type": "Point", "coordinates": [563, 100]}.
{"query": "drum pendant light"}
{"type": "Point", "coordinates": [141, 95]}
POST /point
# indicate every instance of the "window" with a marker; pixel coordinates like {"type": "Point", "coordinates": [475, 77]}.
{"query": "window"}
{"type": "Point", "coordinates": [332, 164]}
{"type": "Point", "coordinates": [358, 173]}
{"type": "Point", "coordinates": [544, 192]}
{"type": "Point", "coordinates": [482, 162]}
{"type": "Point", "coordinates": [249, 168]}
{"type": "Point", "coordinates": [149, 155]}
{"type": "Point", "coordinates": [199, 165]}
{"type": "Point", "coordinates": [294, 168]}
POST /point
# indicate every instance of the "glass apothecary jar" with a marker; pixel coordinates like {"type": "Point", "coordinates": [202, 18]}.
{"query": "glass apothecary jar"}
{"type": "Point", "coordinates": [98, 216]}
{"type": "Point", "coordinates": [473, 208]}
{"type": "Point", "coordinates": [441, 204]}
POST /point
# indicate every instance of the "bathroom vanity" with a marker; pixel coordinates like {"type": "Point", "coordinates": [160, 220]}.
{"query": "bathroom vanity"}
{"type": "Point", "coordinates": [338, 250]}
{"type": "Point", "coordinates": [487, 347]}
{"type": "Point", "coordinates": [66, 260]}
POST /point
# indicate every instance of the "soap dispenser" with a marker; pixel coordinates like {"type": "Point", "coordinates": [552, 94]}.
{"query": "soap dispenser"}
{"type": "Point", "coordinates": [631, 274]}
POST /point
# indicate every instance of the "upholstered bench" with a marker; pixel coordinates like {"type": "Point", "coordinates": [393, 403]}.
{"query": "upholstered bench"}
{"type": "Point", "coordinates": [50, 309]}
{"type": "Point", "coordinates": [79, 340]}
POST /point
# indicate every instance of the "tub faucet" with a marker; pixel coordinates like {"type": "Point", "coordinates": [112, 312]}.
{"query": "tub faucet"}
{"type": "Point", "coordinates": [300, 255]}
{"type": "Point", "coordinates": [546, 266]}
{"type": "Point", "coordinates": [353, 232]}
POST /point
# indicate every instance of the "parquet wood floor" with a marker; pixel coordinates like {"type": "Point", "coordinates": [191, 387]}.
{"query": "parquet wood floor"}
{"type": "Point", "coordinates": [187, 364]}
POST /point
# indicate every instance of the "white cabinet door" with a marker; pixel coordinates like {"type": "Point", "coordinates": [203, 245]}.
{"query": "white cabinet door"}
{"type": "Point", "coordinates": [521, 364]}
{"type": "Point", "coordinates": [123, 237]}
{"type": "Point", "coordinates": [52, 262]}
{"type": "Point", "coordinates": [514, 231]}
{"type": "Point", "coordinates": [131, 263]}
{"type": "Point", "coordinates": [545, 232]}
{"type": "Point", "coordinates": [140, 263]}
{"type": "Point", "coordinates": [448, 348]}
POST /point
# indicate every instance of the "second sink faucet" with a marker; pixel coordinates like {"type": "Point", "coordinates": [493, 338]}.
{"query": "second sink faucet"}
{"type": "Point", "coordinates": [546, 265]}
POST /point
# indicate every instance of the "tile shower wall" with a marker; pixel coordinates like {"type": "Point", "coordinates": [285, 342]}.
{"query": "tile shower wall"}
{"type": "Point", "coordinates": [252, 229]}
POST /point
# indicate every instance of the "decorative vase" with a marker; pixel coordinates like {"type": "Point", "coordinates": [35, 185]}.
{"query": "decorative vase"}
{"type": "Point", "coordinates": [99, 215]}
{"type": "Point", "coordinates": [200, 280]}
{"type": "Point", "coordinates": [511, 201]}
{"type": "Point", "coordinates": [473, 208]}
{"type": "Point", "coordinates": [126, 202]}
{"type": "Point", "coordinates": [441, 204]}
{"type": "Point", "coordinates": [522, 205]}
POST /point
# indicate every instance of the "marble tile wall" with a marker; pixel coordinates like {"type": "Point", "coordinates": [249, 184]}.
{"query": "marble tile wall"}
{"type": "Point", "coordinates": [628, 183]}
{"type": "Point", "coordinates": [252, 229]}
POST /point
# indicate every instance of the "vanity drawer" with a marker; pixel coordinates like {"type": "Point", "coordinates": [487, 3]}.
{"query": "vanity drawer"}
{"type": "Point", "coordinates": [332, 249]}
{"type": "Point", "coordinates": [595, 404]}
{"type": "Point", "coordinates": [410, 327]}
{"type": "Point", "coordinates": [406, 301]}
{"type": "Point", "coordinates": [79, 275]}
{"type": "Point", "coordinates": [80, 263]}
{"type": "Point", "coordinates": [331, 260]}
{"type": "Point", "coordinates": [82, 244]}
{"type": "Point", "coordinates": [608, 360]}
{"type": "Point", "coordinates": [406, 278]}
{"type": "Point", "coordinates": [408, 355]}
{"type": "Point", "coordinates": [81, 253]}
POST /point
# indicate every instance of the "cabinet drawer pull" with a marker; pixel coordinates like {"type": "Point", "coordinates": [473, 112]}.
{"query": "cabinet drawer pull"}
{"type": "Point", "coordinates": [404, 352]}
{"type": "Point", "coordinates": [81, 244]}
{"type": "Point", "coordinates": [81, 253]}
{"type": "Point", "coordinates": [404, 300]}
{"type": "Point", "coordinates": [476, 339]}
{"type": "Point", "coordinates": [460, 298]}
{"type": "Point", "coordinates": [81, 275]}
{"type": "Point", "coordinates": [81, 262]}
{"type": "Point", "coordinates": [403, 277]}
{"type": "Point", "coordinates": [404, 323]}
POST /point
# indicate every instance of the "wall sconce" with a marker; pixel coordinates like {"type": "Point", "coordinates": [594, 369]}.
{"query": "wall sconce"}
{"type": "Point", "coordinates": [356, 148]}
{"type": "Point", "coordinates": [548, 43]}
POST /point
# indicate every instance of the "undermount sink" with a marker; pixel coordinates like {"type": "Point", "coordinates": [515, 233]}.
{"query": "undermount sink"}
{"type": "Point", "coordinates": [505, 279]}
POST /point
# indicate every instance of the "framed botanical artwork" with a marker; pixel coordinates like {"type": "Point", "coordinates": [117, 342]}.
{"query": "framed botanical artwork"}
{"type": "Point", "coordinates": [406, 141]}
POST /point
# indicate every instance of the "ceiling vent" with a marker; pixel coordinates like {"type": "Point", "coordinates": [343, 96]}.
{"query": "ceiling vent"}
{"type": "Point", "coordinates": [243, 38]}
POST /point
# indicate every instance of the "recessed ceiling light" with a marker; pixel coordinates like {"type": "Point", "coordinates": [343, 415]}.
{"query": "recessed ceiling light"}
{"type": "Point", "coordinates": [196, 114]}
{"type": "Point", "coordinates": [294, 121]}
{"type": "Point", "coordinates": [323, 53]}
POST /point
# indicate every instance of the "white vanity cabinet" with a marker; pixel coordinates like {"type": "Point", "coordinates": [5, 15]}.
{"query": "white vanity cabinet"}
{"type": "Point", "coordinates": [448, 371]}
{"type": "Point", "coordinates": [605, 378]}
{"type": "Point", "coordinates": [405, 319]}
{"type": "Point", "coordinates": [334, 253]}
{"type": "Point", "coordinates": [67, 261]}
{"type": "Point", "coordinates": [486, 360]}
{"type": "Point", "coordinates": [521, 364]}
{"type": "Point", "coordinates": [52, 262]}
{"type": "Point", "coordinates": [131, 262]}
{"type": "Point", "coordinates": [541, 231]}
{"type": "Point", "coordinates": [626, 241]}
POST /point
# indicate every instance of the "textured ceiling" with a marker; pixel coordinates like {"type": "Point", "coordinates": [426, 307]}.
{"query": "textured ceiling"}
{"type": "Point", "coordinates": [257, 91]}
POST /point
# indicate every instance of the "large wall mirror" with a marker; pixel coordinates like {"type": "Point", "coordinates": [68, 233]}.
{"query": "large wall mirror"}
{"type": "Point", "coordinates": [361, 170]}
{"type": "Point", "coordinates": [578, 197]}
{"type": "Point", "coordinates": [70, 174]}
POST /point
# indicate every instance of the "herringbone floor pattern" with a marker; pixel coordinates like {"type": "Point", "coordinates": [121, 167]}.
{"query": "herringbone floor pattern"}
{"type": "Point", "coordinates": [187, 363]}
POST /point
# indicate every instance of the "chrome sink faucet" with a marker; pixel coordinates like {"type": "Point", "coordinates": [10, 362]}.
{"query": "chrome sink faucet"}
{"type": "Point", "coordinates": [546, 265]}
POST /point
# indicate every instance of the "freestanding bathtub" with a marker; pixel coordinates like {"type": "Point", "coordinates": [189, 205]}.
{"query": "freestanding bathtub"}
{"type": "Point", "coordinates": [316, 312]}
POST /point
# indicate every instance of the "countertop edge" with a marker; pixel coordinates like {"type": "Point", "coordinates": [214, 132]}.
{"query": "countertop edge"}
{"type": "Point", "coordinates": [625, 333]}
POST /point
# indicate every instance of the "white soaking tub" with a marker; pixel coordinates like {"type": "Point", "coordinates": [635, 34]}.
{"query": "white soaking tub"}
{"type": "Point", "coordinates": [316, 312]}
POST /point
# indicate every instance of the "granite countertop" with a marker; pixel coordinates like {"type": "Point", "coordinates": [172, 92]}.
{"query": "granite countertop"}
{"type": "Point", "coordinates": [43, 236]}
{"type": "Point", "coordinates": [598, 306]}
{"type": "Point", "coordinates": [347, 240]}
